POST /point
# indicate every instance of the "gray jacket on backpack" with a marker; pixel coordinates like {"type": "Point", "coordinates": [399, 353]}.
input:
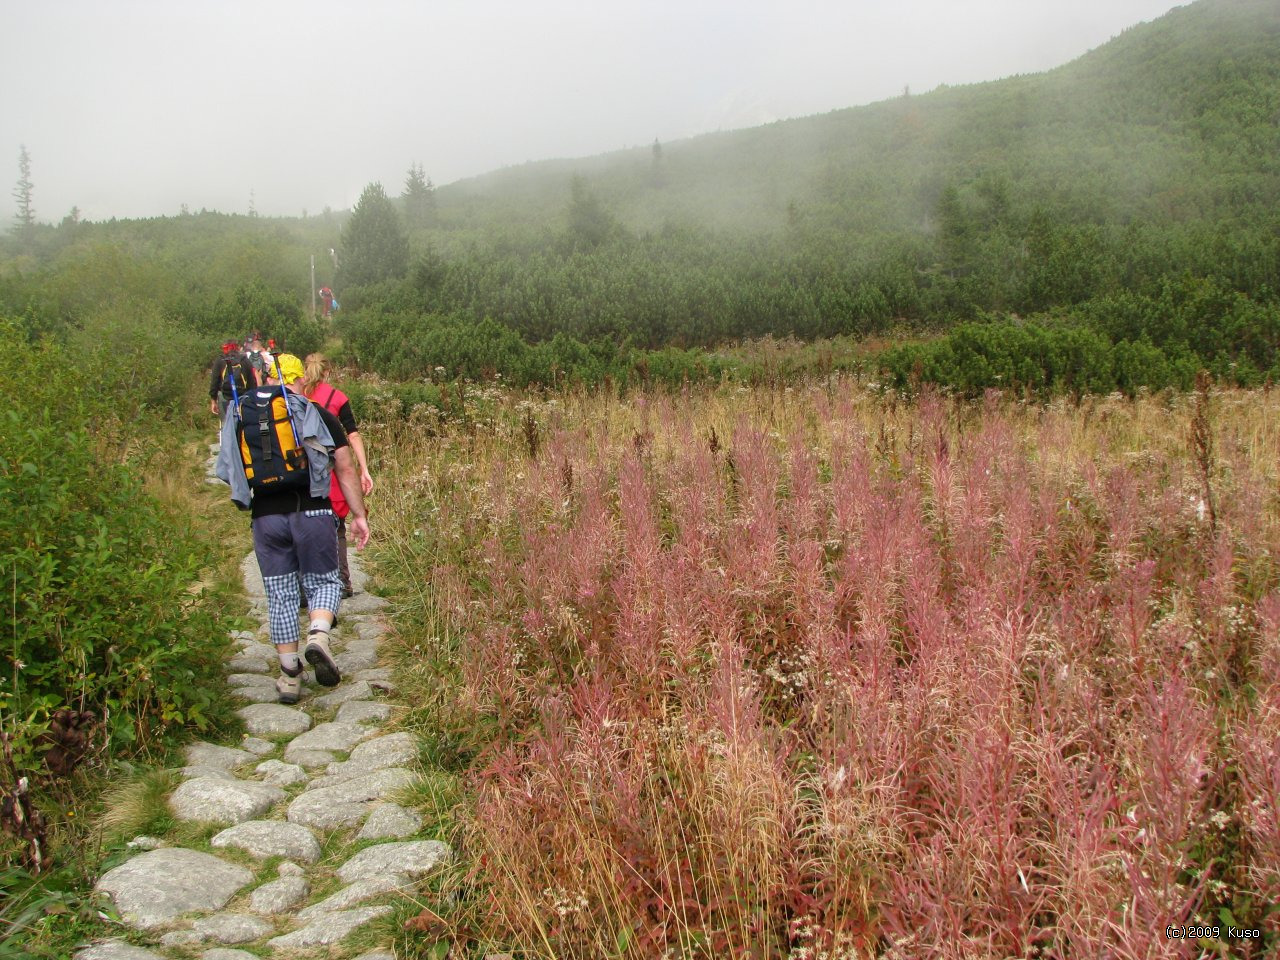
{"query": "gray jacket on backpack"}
{"type": "Point", "coordinates": [312, 433]}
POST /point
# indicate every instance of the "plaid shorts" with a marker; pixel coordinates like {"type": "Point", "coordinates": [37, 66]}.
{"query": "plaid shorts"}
{"type": "Point", "coordinates": [297, 549]}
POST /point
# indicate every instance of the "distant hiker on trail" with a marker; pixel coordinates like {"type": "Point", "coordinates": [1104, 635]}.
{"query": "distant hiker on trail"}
{"type": "Point", "coordinates": [326, 301]}
{"type": "Point", "coordinates": [231, 376]}
{"type": "Point", "coordinates": [316, 387]}
{"type": "Point", "coordinates": [278, 453]}
{"type": "Point", "coordinates": [258, 356]}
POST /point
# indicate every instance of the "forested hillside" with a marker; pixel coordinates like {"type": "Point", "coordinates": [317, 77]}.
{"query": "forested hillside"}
{"type": "Point", "coordinates": [1110, 224]}
{"type": "Point", "coordinates": [1146, 171]}
{"type": "Point", "coordinates": [1173, 119]}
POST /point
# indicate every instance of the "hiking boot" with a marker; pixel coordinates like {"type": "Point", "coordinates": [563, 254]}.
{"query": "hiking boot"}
{"type": "Point", "coordinates": [288, 689]}
{"type": "Point", "coordinates": [317, 654]}
{"type": "Point", "coordinates": [347, 593]}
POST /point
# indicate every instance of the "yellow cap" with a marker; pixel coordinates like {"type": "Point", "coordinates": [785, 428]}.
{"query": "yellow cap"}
{"type": "Point", "coordinates": [290, 368]}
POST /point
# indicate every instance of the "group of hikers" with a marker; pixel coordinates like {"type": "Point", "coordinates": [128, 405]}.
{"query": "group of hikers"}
{"type": "Point", "coordinates": [291, 451]}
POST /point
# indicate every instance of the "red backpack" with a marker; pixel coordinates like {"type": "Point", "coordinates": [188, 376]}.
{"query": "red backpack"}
{"type": "Point", "coordinates": [333, 401]}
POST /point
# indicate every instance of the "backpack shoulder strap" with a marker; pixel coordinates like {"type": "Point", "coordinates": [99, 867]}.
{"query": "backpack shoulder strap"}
{"type": "Point", "coordinates": [328, 398]}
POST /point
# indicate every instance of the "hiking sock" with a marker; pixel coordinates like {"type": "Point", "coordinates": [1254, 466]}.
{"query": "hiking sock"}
{"type": "Point", "coordinates": [290, 664]}
{"type": "Point", "coordinates": [318, 626]}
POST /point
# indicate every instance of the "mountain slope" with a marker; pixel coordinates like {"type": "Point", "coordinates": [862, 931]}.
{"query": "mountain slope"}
{"type": "Point", "coordinates": [1173, 119]}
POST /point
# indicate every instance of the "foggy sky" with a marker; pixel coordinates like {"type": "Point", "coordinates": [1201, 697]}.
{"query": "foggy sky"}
{"type": "Point", "coordinates": [135, 107]}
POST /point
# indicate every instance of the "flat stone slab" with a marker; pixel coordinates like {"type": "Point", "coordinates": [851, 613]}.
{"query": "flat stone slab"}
{"type": "Point", "coordinates": [265, 694]}
{"type": "Point", "coordinates": [249, 680]}
{"type": "Point", "coordinates": [345, 804]}
{"type": "Point", "coordinates": [256, 745]}
{"type": "Point", "coordinates": [312, 759]}
{"type": "Point", "coordinates": [413, 858]}
{"type": "Point", "coordinates": [156, 887]}
{"type": "Point", "coordinates": [251, 577]}
{"type": "Point", "coordinates": [213, 800]}
{"type": "Point", "coordinates": [374, 628]}
{"type": "Point", "coordinates": [357, 892]}
{"type": "Point", "coordinates": [362, 603]}
{"type": "Point", "coordinates": [363, 711]}
{"type": "Point", "coordinates": [274, 719]}
{"type": "Point", "coordinates": [339, 737]}
{"type": "Point", "coordinates": [115, 950]}
{"type": "Point", "coordinates": [223, 953]}
{"type": "Point", "coordinates": [181, 938]}
{"type": "Point", "coordinates": [357, 690]}
{"type": "Point", "coordinates": [356, 660]}
{"type": "Point", "coordinates": [279, 896]}
{"type": "Point", "coordinates": [263, 651]}
{"type": "Point", "coordinates": [357, 645]}
{"type": "Point", "coordinates": [389, 751]}
{"type": "Point", "coordinates": [212, 755]}
{"type": "Point", "coordinates": [192, 773]}
{"type": "Point", "coordinates": [376, 955]}
{"type": "Point", "coordinates": [374, 673]}
{"type": "Point", "coordinates": [281, 774]}
{"type": "Point", "coordinates": [389, 821]}
{"type": "Point", "coordinates": [232, 928]}
{"type": "Point", "coordinates": [328, 928]}
{"type": "Point", "coordinates": [393, 750]}
{"type": "Point", "coordinates": [243, 664]}
{"type": "Point", "coordinates": [270, 838]}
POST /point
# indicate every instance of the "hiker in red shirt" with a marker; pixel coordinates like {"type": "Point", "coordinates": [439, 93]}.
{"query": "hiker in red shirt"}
{"type": "Point", "coordinates": [317, 389]}
{"type": "Point", "coordinates": [326, 301]}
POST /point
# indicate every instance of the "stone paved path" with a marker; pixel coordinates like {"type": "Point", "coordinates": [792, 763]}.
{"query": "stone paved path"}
{"type": "Point", "coordinates": [306, 846]}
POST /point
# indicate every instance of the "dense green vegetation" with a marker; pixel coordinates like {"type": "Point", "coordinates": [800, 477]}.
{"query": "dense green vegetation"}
{"type": "Point", "coordinates": [100, 616]}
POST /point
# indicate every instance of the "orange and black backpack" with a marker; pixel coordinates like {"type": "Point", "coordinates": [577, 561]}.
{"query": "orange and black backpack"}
{"type": "Point", "coordinates": [273, 456]}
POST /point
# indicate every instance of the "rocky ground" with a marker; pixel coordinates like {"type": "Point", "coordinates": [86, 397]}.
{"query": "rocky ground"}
{"type": "Point", "coordinates": [306, 846]}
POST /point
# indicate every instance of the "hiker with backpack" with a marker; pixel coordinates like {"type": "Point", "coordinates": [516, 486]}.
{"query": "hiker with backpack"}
{"type": "Point", "coordinates": [231, 376]}
{"type": "Point", "coordinates": [317, 389]}
{"type": "Point", "coordinates": [258, 355]}
{"type": "Point", "coordinates": [279, 451]}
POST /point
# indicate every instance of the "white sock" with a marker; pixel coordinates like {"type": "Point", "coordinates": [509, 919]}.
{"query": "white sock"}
{"type": "Point", "coordinates": [290, 664]}
{"type": "Point", "coordinates": [319, 625]}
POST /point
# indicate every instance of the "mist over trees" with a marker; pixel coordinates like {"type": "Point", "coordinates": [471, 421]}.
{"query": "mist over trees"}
{"type": "Point", "coordinates": [1111, 224]}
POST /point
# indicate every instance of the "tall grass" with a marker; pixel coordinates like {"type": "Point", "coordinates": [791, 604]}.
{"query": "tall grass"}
{"type": "Point", "coordinates": [819, 672]}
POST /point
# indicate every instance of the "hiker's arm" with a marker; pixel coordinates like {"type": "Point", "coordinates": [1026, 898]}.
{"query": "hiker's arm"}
{"type": "Point", "coordinates": [344, 464]}
{"type": "Point", "coordinates": [357, 444]}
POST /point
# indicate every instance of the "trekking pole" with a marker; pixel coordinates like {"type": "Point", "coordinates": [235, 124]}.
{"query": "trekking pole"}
{"type": "Point", "coordinates": [284, 392]}
{"type": "Point", "coordinates": [235, 394]}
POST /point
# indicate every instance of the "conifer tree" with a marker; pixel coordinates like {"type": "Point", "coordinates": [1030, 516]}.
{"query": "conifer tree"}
{"type": "Point", "coordinates": [25, 218]}
{"type": "Point", "coordinates": [419, 197]}
{"type": "Point", "coordinates": [374, 244]}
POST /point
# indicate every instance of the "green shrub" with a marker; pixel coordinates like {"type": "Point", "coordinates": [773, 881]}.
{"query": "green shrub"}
{"type": "Point", "coordinates": [98, 612]}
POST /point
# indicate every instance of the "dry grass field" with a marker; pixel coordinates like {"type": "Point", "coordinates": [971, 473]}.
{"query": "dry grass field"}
{"type": "Point", "coordinates": [817, 672]}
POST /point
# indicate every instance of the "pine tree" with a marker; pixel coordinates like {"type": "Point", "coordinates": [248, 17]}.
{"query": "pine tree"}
{"type": "Point", "coordinates": [419, 197]}
{"type": "Point", "coordinates": [590, 224]}
{"type": "Point", "coordinates": [374, 244]}
{"type": "Point", "coordinates": [25, 218]}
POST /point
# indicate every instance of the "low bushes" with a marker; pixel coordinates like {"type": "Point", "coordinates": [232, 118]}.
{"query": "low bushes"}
{"type": "Point", "coordinates": [98, 614]}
